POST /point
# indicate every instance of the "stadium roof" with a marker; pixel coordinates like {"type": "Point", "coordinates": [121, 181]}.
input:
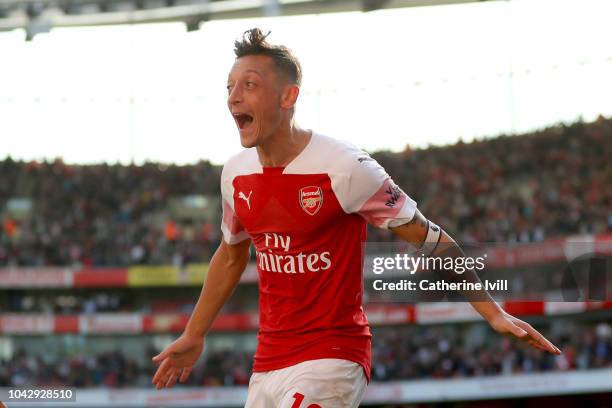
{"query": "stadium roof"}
{"type": "Point", "coordinates": [39, 16]}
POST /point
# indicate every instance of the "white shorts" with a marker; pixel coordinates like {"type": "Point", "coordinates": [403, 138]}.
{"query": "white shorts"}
{"type": "Point", "coordinates": [323, 383]}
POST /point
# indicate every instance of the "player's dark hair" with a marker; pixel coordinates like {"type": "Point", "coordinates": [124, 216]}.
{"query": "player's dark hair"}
{"type": "Point", "coordinates": [254, 42]}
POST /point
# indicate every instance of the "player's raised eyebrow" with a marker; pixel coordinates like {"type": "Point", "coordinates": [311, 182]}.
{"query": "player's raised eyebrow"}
{"type": "Point", "coordinates": [250, 70]}
{"type": "Point", "coordinates": [254, 71]}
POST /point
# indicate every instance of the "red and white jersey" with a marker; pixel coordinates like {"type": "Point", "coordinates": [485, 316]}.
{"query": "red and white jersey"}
{"type": "Point", "coordinates": [308, 224]}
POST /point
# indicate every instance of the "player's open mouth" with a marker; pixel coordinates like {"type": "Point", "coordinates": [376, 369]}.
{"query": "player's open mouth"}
{"type": "Point", "coordinates": [243, 120]}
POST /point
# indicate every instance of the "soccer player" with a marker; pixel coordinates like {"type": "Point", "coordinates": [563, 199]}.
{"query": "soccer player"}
{"type": "Point", "coordinates": [303, 200]}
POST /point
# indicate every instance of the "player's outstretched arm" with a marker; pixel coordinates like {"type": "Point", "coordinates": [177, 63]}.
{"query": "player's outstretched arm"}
{"type": "Point", "coordinates": [436, 242]}
{"type": "Point", "coordinates": [224, 272]}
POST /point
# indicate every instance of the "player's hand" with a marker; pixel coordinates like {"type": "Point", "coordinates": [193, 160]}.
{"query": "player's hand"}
{"type": "Point", "coordinates": [177, 360]}
{"type": "Point", "coordinates": [509, 325]}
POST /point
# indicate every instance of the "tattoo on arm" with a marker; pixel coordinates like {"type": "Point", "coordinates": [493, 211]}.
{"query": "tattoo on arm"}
{"type": "Point", "coordinates": [418, 220]}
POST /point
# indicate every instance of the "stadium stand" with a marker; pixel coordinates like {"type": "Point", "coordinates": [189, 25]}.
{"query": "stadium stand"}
{"type": "Point", "coordinates": [508, 189]}
{"type": "Point", "coordinates": [407, 352]}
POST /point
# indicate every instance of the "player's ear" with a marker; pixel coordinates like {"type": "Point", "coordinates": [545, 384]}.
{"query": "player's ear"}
{"type": "Point", "coordinates": [289, 96]}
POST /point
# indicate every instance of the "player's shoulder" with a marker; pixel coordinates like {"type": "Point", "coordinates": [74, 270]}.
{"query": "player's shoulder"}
{"type": "Point", "coordinates": [354, 175]}
{"type": "Point", "coordinates": [243, 163]}
{"type": "Point", "coordinates": [326, 154]}
{"type": "Point", "coordinates": [341, 149]}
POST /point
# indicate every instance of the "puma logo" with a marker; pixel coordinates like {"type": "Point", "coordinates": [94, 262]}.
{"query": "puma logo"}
{"type": "Point", "coordinates": [245, 198]}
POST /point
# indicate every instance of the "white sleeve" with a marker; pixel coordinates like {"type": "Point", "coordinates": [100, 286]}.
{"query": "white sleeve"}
{"type": "Point", "coordinates": [365, 188]}
{"type": "Point", "coordinates": [233, 231]}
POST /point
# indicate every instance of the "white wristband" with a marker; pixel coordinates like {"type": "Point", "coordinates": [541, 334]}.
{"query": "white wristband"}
{"type": "Point", "coordinates": [431, 240]}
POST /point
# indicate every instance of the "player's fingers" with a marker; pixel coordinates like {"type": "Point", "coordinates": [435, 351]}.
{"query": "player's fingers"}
{"type": "Point", "coordinates": [536, 344]}
{"type": "Point", "coordinates": [542, 344]}
{"type": "Point", "coordinates": [164, 380]}
{"type": "Point", "coordinates": [517, 331]}
{"type": "Point", "coordinates": [551, 348]}
{"type": "Point", "coordinates": [162, 372]}
{"type": "Point", "coordinates": [159, 384]}
{"type": "Point", "coordinates": [172, 378]}
{"type": "Point", "coordinates": [533, 334]}
{"type": "Point", "coordinates": [537, 336]}
{"type": "Point", "coordinates": [158, 374]}
{"type": "Point", "coordinates": [161, 356]}
{"type": "Point", "coordinates": [185, 374]}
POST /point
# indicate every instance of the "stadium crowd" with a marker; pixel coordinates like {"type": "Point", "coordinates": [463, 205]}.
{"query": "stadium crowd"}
{"type": "Point", "coordinates": [398, 353]}
{"type": "Point", "coordinates": [525, 188]}
{"type": "Point", "coordinates": [443, 352]}
{"type": "Point", "coordinates": [557, 181]}
{"type": "Point", "coordinates": [58, 214]}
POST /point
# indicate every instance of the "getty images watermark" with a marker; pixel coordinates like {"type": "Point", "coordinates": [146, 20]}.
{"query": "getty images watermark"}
{"type": "Point", "coordinates": [544, 271]}
{"type": "Point", "coordinates": [410, 264]}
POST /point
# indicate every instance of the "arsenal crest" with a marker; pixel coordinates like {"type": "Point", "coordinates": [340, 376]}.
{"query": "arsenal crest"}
{"type": "Point", "coordinates": [311, 199]}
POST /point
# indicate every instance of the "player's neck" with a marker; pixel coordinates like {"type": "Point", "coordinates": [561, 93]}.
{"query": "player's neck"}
{"type": "Point", "coordinates": [283, 146]}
